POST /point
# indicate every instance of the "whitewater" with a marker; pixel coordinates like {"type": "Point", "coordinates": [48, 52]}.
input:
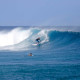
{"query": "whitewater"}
{"type": "Point", "coordinates": [56, 58]}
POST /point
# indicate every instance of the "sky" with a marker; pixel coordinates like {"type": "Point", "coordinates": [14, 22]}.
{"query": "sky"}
{"type": "Point", "coordinates": [39, 12]}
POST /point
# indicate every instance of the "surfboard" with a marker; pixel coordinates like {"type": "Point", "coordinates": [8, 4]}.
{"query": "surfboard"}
{"type": "Point", "coordinates": [35, 44]}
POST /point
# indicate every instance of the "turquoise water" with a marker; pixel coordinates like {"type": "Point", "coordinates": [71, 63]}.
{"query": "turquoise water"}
{"type": "Point", "coordinates": [56, 58]}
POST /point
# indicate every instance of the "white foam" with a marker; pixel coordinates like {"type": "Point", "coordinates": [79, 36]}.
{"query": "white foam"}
{"type": "Point", "coordinates": [13, 37]}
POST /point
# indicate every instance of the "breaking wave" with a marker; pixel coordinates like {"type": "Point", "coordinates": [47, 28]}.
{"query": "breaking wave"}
{"type": "Point", "coordinates": [22, 39]}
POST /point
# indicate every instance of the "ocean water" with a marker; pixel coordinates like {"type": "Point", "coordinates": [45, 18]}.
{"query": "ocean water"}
{"type": "Point", "coordinates": [56, 58]}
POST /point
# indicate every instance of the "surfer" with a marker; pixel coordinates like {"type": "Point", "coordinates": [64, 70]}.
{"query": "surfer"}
{"type": "Point", "coordinates": [30, 54]}
{"type": "Point", "coordinates": [38, 40]}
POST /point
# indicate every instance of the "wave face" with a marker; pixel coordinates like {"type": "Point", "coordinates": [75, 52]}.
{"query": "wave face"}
{"type": "Point", "coordinates": [22, 39]}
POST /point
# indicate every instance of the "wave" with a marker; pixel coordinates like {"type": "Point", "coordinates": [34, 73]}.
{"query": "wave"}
{"type": "Point", "coordinates": [22, 39]}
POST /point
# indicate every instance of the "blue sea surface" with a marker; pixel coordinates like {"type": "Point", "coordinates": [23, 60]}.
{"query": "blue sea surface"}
{"type": "Point", "coordinates": [56, 58]}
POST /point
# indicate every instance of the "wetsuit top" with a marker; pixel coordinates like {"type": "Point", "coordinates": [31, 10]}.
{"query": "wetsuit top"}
{"type": "Point", "coordinates": [38, 39]}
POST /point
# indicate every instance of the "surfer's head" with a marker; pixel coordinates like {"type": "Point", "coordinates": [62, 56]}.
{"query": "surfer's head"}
{"type": "Point", "coordinates": [38, 37]}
